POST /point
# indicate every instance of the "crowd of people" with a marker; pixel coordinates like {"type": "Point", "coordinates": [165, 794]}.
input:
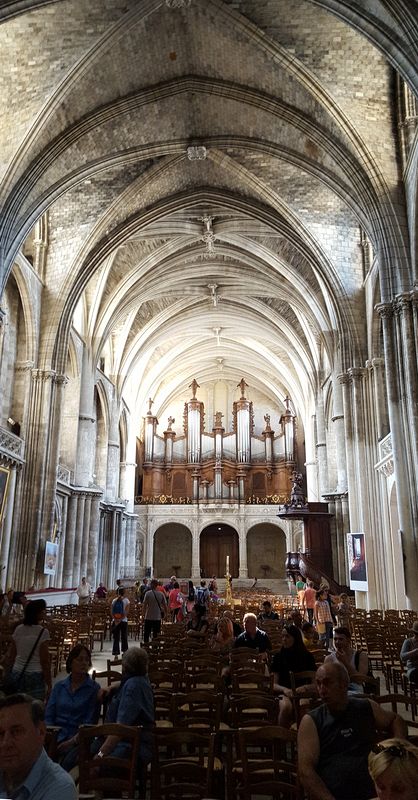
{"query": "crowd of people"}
{"type": "Point", "coordinates": [337, 734]}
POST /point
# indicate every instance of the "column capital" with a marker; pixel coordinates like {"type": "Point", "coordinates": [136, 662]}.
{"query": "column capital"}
{"type": "Point", "coordinates": [402, 302]}
{"type": "Point", "coordinates": [344, 378]}
{"type": "Point", "coordinates": [385, 310]}
{"type": "Point", "coordinates": [24, 366]}
{"type": "Point", "coordinates": [357, 373]}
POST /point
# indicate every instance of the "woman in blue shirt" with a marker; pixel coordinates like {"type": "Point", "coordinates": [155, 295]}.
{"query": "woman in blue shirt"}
{"type": "Point", "coordinates": [74, 701]}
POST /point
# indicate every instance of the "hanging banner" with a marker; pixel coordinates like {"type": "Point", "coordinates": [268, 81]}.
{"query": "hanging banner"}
{"type": "Point", "coordinates": [51, 557]}
{"type": "Point", "coordinates": [356, 547]}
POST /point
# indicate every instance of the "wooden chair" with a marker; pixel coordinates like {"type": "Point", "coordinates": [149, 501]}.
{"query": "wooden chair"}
{"type": "Point", "coordinates": [109, 675]}
{"type": "Point", "coordinates": [246, 681]}
{"type": "Point", "coordinates": [198, 710]}
{"type": "Point", "coordinates": [108, 774]}
{"type": "Point", "coordinates": [173, 753]}
{"type": "Point", "coordinates": [249, 710]}
{"type": "Point", "coordinates": [265, 754]}
{"type": "Point", "coordinates": [402, 704]}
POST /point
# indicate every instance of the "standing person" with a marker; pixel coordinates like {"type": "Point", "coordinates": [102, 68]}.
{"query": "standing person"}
{"type": "Point", "coordinates": [309, 598]}
{"type": "Point", "coordinates": [300, 588]}
{"type": "Point", "coordinates": [175, 600]}
{"type": "Point", "coordinates": [191, 597]}
{"type": "Point", "coordinates": [142, 589]}
{"type": "Point", "coordinates": [154, 608]}
{"type": "Point", "coordinates": [203, 594]}
{"type": "Point", "coordinates": [409, 655]}
{"type": "Point", "coordinates": [323, 618]}
{"type": "Point", "coordinates": [119, 611]}
{"type": "Point", "coordinates": [25, 769]}
{"type": "Point", "coordinates": [28, 654]}
{"type": "Point", "coordinates": [335, 739]}
{"type": "Point", "coordinates": [84, 592]}
{"type": "Point", "coordinates": [343, 611]}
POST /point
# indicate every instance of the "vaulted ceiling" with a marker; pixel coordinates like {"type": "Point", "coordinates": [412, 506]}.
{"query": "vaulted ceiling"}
{"type": "Point", "coordinates": [210, 172]}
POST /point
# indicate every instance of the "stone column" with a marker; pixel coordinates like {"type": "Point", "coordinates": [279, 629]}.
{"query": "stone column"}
{"type": "Point", "coordinates": [399, 437]}
{"type": "Point", "coordinates": [37, 499]}
{"type": "Point", "coordinates": [86, 440]}
{"type": "Point", "coordinates": [85, 536]}
{"type": "Point", "coordinates": [7, 527]}
{"type": "Point", "coordinates": [321, 445]}
{"type": "Point", "coordinates": [243, 564]}
{"type": "Point", "coordinates": [195, 556]}
{"type": "Point", "coordinates": [78, 539]}
{"type": "Point", "coordinates": [62, 541]}
{"type": "Point", "coordinates": [70, 536]}
{"type": "Point", "coordinates": [345, 381]}
{"type": "Point", "coordinates": [338, 424]}
{"type": "Point", "coordinates": [93, 546]}
{"type": "Point", "coordinates": [408, 342]}
{"type": "Point", "coordinates": [380, 407]}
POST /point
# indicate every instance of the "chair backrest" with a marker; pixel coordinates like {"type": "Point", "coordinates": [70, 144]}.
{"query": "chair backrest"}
{"type": "Point", "coordinates": [108, 774]}
{"type": "Point", "coordinates": [178, 753]}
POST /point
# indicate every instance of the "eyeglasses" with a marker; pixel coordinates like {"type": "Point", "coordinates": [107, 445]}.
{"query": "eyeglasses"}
{"type": "Point", "coordinates": [395, 750]}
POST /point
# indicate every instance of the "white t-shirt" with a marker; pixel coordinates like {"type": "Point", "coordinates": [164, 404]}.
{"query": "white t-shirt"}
{"type": "Point", "coordinates": [25, 637]}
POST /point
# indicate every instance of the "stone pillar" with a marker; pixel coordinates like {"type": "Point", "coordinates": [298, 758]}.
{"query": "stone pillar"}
{"type": "Point", "coordinates": [243, 564]}
{"type": "Point", "coordinates": [195, 556]}
{"type": "Point", "coordinates": [78, 539]}
{"type": "Point", "coordinates": [70, 536]}
{"type": "Point", "coordinates": [399, 436]}
{"type": "Point", "coordinates": [345, 381]}
{"type": "Point", "coordinates": [321, 445]}
{"type": "Point", "coordinates": [338, 424]}
{"type": "Point", "coordinates": [7, 528]}
{"type": "Point", "coordinates": [85, 536]}
{"type": "Point", "coordinates": [86, 440]}
{"type": "Point", "coordinates": [380, 408]}
{"type": "Point", "coordinates": [62, 542]}
{"type": "Point", "coordinates": [37, 497]}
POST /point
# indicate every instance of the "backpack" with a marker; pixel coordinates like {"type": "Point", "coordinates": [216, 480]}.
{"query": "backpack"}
{"type": "Point", "coordinates": [201, 596]}
{"type": "Point", "coordinates": [118, 611]}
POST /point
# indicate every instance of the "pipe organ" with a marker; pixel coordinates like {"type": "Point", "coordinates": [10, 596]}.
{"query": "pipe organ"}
{"type": "Point", "coordinates": [218, 466]}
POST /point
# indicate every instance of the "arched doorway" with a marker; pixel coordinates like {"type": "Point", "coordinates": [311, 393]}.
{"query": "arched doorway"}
{"type": "Point", "coordinates": [172, 551]}
{"type": "Point", "coordinates": [266, 551]}
{"type": "Point", "coordinates": [216, 543]}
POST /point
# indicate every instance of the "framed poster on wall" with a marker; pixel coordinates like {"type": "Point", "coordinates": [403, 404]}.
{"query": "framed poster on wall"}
{"type": "Point", "coordinates": [4, 485]}
{"type": "Point", "coordinates": [51, 557]}
{"type": "Point", "coordinates": [356, 548]}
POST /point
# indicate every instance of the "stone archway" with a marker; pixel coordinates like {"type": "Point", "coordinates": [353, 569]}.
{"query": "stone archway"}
{"type": "Point", "coordinates": [172, 551]}
{"type": "Point", "coordinates": [218, 541]}
{"type": "Point", "coordinates": [266, 551]}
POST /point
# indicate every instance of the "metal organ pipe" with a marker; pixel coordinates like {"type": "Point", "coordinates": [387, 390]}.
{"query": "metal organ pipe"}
{"type": "Point", "coordinates": [193, 435]}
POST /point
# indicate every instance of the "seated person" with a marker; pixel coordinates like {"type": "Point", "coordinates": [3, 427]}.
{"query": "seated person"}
{"type": "Point", "coordinates": [74, 701]}
{"type": "Point", "coordinates": [335, 739]}
{"type": "Point", "coordinates": [310, 636]}
{"type": "Point", "coordinates": [237, 628]}
{"type": "Point", "coordinates": [267, 612]}
{"type": "Point", "coordinates": [25, 769]}
{"type": "Point", "coordinates": [198, 624]}
{"type": "Point", "coordinates": [292, 657]}
{"type": "Point", "coordinates": [393, 765]}
{"type": "Point", "coordinates": [355, 661]}
{"type": "Point", "coordinates": [252, 636]}
{"type": "Point", "coordinates": [409, 655]}
{"type": "Point", "coordinates": [295, 618]}
{"type": "Point", "coordinates": [132, 703]}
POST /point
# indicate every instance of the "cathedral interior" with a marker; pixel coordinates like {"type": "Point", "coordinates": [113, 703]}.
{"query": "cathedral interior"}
{"type": "Point", "coordinates": [209, 286]}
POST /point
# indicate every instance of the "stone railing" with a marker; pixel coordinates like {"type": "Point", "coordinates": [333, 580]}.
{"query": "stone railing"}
{"type": "Point", "coordinates": [12, 447]}
{"type": "Point", "coordinates": [64, 474]}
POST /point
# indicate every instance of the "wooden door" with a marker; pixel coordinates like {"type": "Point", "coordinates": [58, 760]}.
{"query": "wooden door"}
{"type": "Point", "coordinates": [216, 543]}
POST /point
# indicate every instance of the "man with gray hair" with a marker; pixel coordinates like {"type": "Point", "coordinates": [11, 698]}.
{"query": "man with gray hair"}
{"type": "Point", "coordinates": [25, 769]}
{"type": "Point", "coordinates": [335, 739]}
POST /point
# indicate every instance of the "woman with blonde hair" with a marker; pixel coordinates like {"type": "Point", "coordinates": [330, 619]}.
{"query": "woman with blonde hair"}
{"type": "Point", "coordinates": [393, 765]}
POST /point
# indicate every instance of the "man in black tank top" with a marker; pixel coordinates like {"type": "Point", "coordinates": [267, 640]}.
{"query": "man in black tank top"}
{"type": "Point", "coordinates": [335, 739]}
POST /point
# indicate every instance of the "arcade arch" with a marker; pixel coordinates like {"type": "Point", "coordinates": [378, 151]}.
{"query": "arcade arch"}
{"type": "Point", "coordinates": [266, 551]}
{"type": "Point", "coordinates": [217, 541]}
{"type": "Point", "coordinates": [172, 553]}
